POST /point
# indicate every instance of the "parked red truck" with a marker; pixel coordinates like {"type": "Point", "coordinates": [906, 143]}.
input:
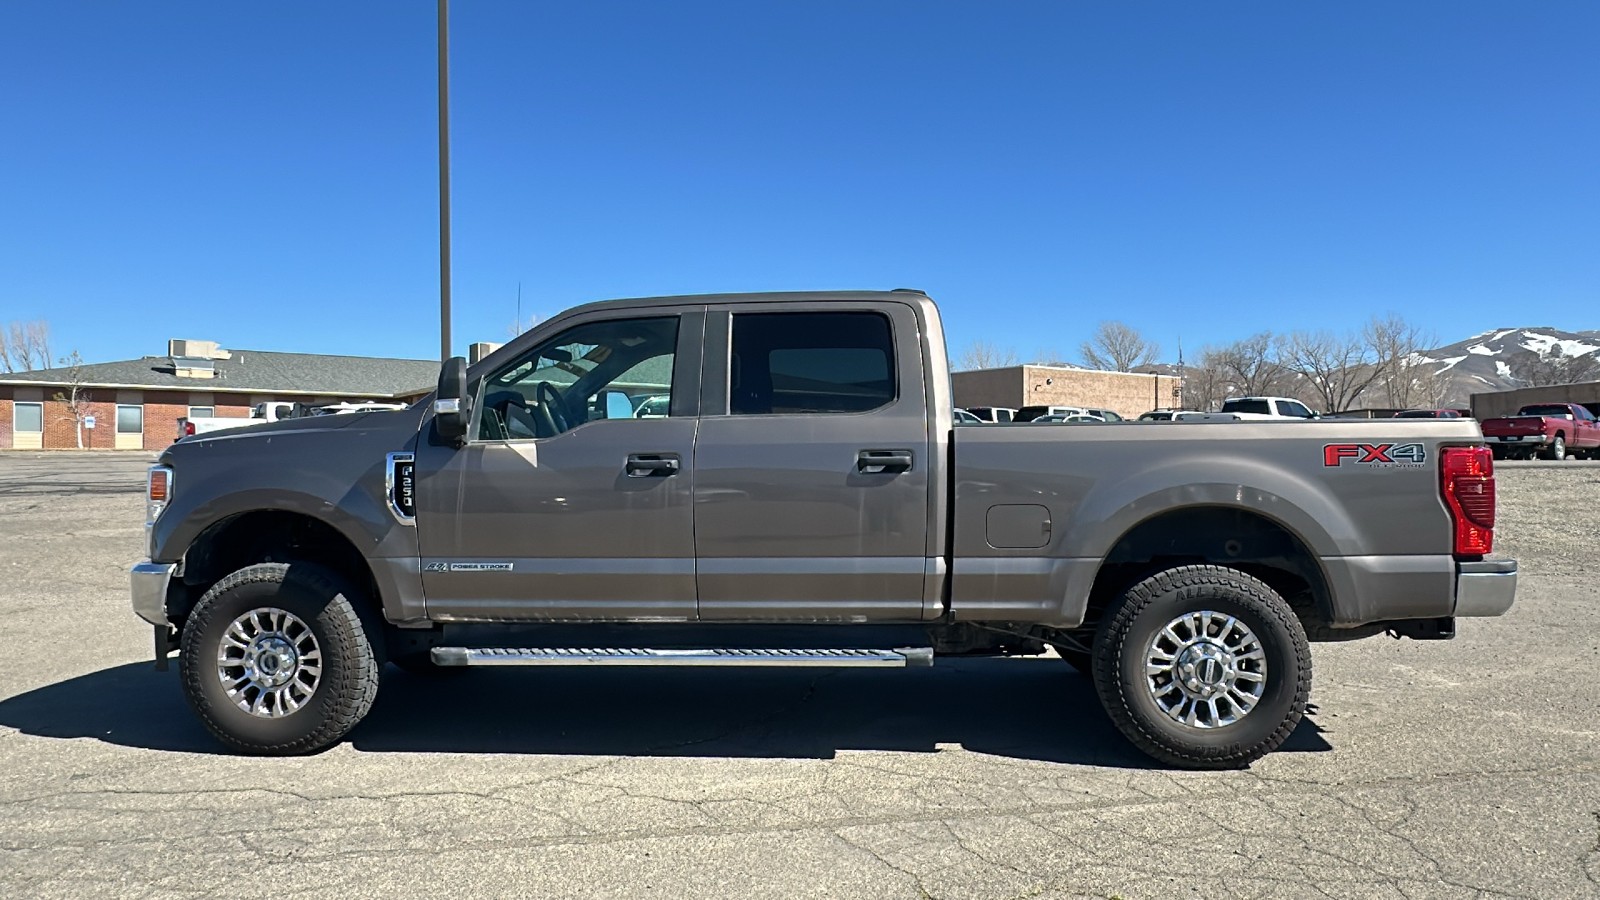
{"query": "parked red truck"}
{"type": "Point", "coordinates": [1552, 430]}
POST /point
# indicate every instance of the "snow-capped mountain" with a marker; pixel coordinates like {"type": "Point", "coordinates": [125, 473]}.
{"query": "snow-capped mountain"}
{"type": "Point", "coordinates": [1487, 361]}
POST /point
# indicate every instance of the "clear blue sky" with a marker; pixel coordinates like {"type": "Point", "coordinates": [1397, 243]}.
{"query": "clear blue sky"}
{"type": "Point", "coordinates": [263, 173]}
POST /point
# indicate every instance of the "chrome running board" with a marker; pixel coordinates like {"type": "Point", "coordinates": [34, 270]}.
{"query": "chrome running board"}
{"type": "Point", "coordinates": [567, 656]}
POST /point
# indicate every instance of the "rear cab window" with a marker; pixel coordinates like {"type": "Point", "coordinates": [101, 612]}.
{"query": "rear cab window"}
{"type": "Point", "coordinates": [811, 363]}
{"type": "Point", "coordinates": [1260, 407]}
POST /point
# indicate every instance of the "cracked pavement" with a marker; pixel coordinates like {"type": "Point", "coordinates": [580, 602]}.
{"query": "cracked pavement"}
{"type": "Point", "coordinates": [1467, 768]}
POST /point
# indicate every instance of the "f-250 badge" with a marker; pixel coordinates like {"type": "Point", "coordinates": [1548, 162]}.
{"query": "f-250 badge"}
{"type": "Point", "coordinates": [1375, 455]}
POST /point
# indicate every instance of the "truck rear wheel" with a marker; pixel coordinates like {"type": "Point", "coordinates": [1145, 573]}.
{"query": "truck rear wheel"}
{"type": "Point", "coordinates": [1203, 667]}
{"type": "Point", "coordinates": [1558, 449]}
{"type": "Point", "coordinates": [276, 660]}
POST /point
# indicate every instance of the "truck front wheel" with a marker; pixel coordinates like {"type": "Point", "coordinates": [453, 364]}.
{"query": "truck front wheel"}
{"type": "Point", "coordinates": [276, 660]}
{"type": "Point", "coordinates": [1203, 667]}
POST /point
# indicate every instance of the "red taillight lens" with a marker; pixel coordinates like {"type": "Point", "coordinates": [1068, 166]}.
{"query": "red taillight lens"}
{"type": "Point", "coordinates": [188, 429]}
{"type": "Point", "coordinates": [1467, 481]}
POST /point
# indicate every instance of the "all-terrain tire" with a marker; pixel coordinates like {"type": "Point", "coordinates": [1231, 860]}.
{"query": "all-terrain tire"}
{"type": "Point", "coordinates": [341, 623]}
{"type": "Point", "coordinates": [1126, 636]}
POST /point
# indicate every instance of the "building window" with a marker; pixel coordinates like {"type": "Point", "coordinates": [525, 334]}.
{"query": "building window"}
{"type": "Point", "coordinates": [29, 418]}
{"type": "Point", "coordinates": [130, 419]}
{"type": "Point", "coordinates": [202, 412]}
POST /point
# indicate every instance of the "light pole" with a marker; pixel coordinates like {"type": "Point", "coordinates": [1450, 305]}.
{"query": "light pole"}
{"type": "Point", "coordinates": [444, 180]}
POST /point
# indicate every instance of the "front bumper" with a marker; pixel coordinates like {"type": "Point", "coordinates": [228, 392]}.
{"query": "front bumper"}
{"type": "Point", "coordinates": [149, 582]}
{"type": "Point", "coordinates": [1486, 588]}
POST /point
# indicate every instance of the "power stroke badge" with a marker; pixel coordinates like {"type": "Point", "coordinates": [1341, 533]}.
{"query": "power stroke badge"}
{"type": "Point", "coordinates": [467, 567]}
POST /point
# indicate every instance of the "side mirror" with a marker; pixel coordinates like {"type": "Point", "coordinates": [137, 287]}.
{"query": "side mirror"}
{"type": "Point", "coordinates": [452, 408]}
{"type": "Point", "coordinates": [617, 405]}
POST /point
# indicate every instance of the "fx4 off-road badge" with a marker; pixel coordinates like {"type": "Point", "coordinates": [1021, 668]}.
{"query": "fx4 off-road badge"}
{"type": "Point", "coordinates": [1383, 456]}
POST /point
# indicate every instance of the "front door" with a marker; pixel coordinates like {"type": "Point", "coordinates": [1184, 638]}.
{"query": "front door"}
{"type": "Point", "coordinates": [573, 497]}
{"type": "Point", "coordinates": [811, 474]}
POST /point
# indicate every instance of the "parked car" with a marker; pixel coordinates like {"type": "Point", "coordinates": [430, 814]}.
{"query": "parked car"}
{"type": "Point", "coordinates": [1267, 408]}
{"type": "Point", "coordinates": [653, 407]}
{"type": "Point", "coordinates": [1188, 416]}
{"type": "Point", "coordinates": [1161, 415]}
{"type": "Point", "coordinates": [997, 414]}
{"type": "Point", "coordinates": [966, 418]}
{"type": "Point", "coordinates": [806, 506]}
{"type": "Point", "coordinates": [1074, 419]}
{"type": "Point", "coordinates": [338, 409]}
{"type": "Point", "coordinates": [1029, 413]}
{"type": "Point", "coordinates": [1428, 414]}
{"type": "Point", "coordinates": [1552, 430]}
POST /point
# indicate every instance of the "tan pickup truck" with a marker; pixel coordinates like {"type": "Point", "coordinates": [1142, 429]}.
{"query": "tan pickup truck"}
{"type": "Point", "coordinates": [804, 498]}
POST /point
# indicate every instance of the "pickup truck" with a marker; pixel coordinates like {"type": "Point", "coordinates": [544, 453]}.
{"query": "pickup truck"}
{"type": "Point", "coordinates": [1552, 430]}
{"type": "Point", "coordinates": [806, 500]}
{"type": "Point", "coordinates": [260, 414]}
{"type": "Point", "coordinates": [1262, 408]}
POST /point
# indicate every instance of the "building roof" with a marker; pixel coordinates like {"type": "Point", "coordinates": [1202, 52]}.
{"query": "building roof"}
{"type": "Point", "coordinates": [255, 371]}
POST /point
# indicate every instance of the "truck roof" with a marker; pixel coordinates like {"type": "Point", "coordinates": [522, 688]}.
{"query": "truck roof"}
{"type": "Point", "coordinates": [898, 295]}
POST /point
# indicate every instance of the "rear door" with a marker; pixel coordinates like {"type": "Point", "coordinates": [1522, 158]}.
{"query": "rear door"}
{"type": "Point", "coordinates": [812, 471]}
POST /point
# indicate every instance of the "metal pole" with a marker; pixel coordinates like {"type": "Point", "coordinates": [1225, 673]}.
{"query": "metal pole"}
{"type": "Point", "coordinates": [444, 179]}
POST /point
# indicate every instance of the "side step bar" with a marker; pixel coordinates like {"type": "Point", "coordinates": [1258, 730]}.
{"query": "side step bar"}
{"type": "Point", "coordinates": [566, 656]}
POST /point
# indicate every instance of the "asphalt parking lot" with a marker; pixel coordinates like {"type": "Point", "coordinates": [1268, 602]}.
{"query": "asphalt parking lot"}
{"type": "Point", "coordinates": [1449, 769]}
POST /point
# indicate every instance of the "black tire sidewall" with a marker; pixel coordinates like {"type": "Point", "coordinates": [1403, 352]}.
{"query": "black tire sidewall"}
{"type": "Point", "coordinates": [1120, 664]}
{"type": "Point", "coordinates": [307, 592]}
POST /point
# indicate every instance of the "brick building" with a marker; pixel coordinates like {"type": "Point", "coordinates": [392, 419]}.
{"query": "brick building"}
{"type": "Point", "coordinates": [1127, 393]}
{"type": "Point", "coordinates": [136, 404]}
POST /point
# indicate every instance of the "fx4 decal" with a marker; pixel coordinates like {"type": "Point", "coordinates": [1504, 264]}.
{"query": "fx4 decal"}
{"type": "Point", "coordinates": [1378, 455]}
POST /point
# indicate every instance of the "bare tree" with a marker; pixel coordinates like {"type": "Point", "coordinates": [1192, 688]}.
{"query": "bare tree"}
{"type": "Point", "coordinates": [1555, 366]}
{"type": "Point", "coordinates": [1117, 347]}
{"type": "Point", "coordinates": [1206, 383]}
{"type": "Point", "coordinates": [1407, 377]}
{"type": "Point", "coordinates": [982, 354]}
{"type": "Point", "coordinates": [75, 398]}
{"type": "Point", "coordinates": [25, 346]}
{"type": "Point", "coordinates": [1049, 356]}
{"type": "Point", "coordinates": [1251, 366]}
{"type": "Point", "coordinates": [1337, 368]}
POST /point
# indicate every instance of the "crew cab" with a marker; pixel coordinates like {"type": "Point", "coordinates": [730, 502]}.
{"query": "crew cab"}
{"type": "Point", "coordinates": [1552, 430]}
{"type": "Point", "coordinates": [805, 500]}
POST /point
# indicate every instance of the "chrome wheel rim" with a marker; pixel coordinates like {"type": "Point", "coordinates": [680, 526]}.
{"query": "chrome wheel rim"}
{"type": "Point", "coordinates": [1206, 669]}
{"type": "Point", "coordinates": [269, 663]}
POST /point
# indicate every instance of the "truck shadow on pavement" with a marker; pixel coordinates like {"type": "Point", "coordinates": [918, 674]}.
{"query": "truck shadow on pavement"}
{"type": "Point", "coordinates": [1035, 709]}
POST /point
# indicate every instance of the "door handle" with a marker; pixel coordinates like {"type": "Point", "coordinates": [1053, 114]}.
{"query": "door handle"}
{"type": "Point", "coordinates": [645, 465]}
{"type": "Point", "coordinates": [883, 462]}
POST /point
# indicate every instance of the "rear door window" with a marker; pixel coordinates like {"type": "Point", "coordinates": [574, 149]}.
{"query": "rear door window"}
{"type": "Point", "coordinates": [811, 363]}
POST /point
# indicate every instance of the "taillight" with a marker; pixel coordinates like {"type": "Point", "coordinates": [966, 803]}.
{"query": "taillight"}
{"type": "Point", "coordinates": [1467, 482]}
{"type": "Point", "coordinates": [188, 429]}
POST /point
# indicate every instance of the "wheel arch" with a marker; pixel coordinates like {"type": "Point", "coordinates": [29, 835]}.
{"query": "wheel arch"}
{"type": "Point", "coordinates": [1218, 534]}
{"type": "Point", "coordinates": [267, 535]}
